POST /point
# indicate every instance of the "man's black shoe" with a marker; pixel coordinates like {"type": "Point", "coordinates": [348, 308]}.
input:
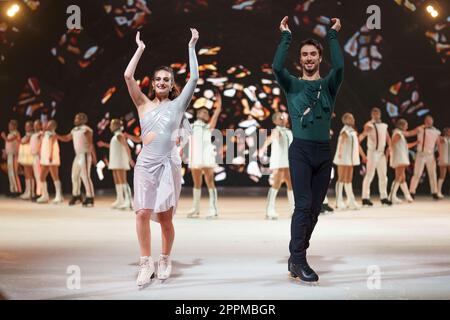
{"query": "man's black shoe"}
{"type": "Point", "coordinates": [386, 202]}
{"type": "Point", "coordinates": [413, 195]}
{"type": "Point", "coordinates": [88, 202]}
{"type": "Point", "coordinates": [326, 208]}
{"type": "Point", "coordinates": [75, 200]}
{"type": "Point", "coordinates": [303, 272]}
{"type": "Point", "coordinates": [367, 202]}
{"type": "Point", "coordinates": [435, 196]}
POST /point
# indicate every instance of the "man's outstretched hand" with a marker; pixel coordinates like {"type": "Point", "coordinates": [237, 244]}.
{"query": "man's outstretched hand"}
{"type": "Point", "coordinates": [336, 24]}
{"type": "Point", "coordinates": [284, 24]}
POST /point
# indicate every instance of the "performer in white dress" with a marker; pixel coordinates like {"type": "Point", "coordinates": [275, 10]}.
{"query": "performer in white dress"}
{"type": "Point", "coordinates": [280, 139]}
{"type": "Point", "coordinates": [85, 157]}
{"type": "Point", "coordinates": [119, 163]}
{"type": "Point", "coordinates": [346, 157]}
{"type": "Point", "coordinates": [26, 160]}
{"type": "Point", "coordinates": [12, 141]}
{"type": "Point", "coordinates": [427, 140]}
{"type": "Point", "coordinates": [399, 160]}
{"type": "Point", "coordinates": [444, 158]}
{"type": "Point", "coordinates": [202, 158]}
{"type": "Point", "coordinates": [35, 148]}
{"type": "Point", "coordinates": [377, 139]}
{"type": "Point", "coordinates": [157, 174]}
{"type": "Point", "coordinates": [50, 162]}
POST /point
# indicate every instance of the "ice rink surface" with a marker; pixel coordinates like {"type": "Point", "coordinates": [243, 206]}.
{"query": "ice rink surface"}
{"type": "Point", "coordinates": [400, 252]}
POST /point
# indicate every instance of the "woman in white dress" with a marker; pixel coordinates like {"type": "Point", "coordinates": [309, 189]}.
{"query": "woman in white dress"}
{"type": "Point", "coordinates": [157, 174]}
{"type": "Point", "coordinates": [347, 157]}
{"type": "Point", "coordinates": [279, 140]}
{"type": "Point", "coordinates": [444, 158]}
{"type": "Point", "coordinates": [50, 162]}
{"type": "Point", "coordinates": [202, 158]}
{"type": "Point", "coordinates": [26, 160]}
{"type": "Point", "coordinates": [12, 140]}
{"type": "Point", "coordinates": [400, 161]}
{"type": "Point", "coordinates": [120, 162]}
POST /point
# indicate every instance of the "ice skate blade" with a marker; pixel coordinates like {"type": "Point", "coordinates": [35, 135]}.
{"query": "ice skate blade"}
{"type": "Point", "coordinates": [145, 285]}
{"type": "Point", "coordinates": [297, 279]}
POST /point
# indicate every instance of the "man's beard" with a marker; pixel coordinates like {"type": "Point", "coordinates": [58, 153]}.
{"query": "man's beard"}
{"type": "Point", "coordinates": [310, 72]}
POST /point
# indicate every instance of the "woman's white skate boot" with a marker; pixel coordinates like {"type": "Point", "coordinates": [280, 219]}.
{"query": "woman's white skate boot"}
{"type": "Point", "coordinates": [164, 267]}
{"type": "Point", "coordinates": [146, 271]}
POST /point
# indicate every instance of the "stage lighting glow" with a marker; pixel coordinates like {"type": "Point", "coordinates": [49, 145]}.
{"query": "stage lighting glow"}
{"type": "Point", "coordinates": [434, 13]}
{"type": "Point", "coordinates": [430, 9]}
{"type": "Point", "coordinates": [12, 10]}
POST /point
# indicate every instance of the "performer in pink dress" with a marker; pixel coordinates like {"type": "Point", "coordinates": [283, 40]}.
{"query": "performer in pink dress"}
{"type": "Point", "coordinates": [157, 174]}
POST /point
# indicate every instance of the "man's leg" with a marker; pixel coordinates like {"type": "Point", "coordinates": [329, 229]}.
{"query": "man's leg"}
{"type": "Point", "coordinates": [76, 181]}
{"type": "Point", "coordinates": [431, 169]}
{"type": "Point", "coordinates": [301, 173]}
{"type": "Point", "coordinates": [320, 183]}
{"type": "Point", "coordinates": [419, 165]}
{"type": "Point", "coordinates": [85, 173]}
{"type": "Point", "coordinates": [382, 177]}
{"type": "Point", "coordinates": [370, 173]}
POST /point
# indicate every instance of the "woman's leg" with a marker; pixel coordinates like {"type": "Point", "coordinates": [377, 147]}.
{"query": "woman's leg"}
{"type": "Point", "coordinates": [44, 190]}
{"type": "Point", "coordinates": [167, 235]}
{"type": "Point", "coordinates": [348, 178]}
{"type": "Point", "coordinates": [119, 190]}
{"type": "Point", "coordinates": [196, 193]}
{"type": "Point", "coordinates": [146, 264]}
{"type": "Point", "coordinates": [122, 178]}
{"type": "Point", "coordinates": [271, 212]}
{"type": "Point", "coordinates": [209, 178]}
{"type": "Point", "coordinates": [340, 204]}
{"type": "Point", "coordinates": [28, 173]}
{"type": "Point", "coordinates": [58, 187]}
{"type": "Point", "coordinates": [143, 231]}
{"type": "Point", "coordinates": [290, 192]}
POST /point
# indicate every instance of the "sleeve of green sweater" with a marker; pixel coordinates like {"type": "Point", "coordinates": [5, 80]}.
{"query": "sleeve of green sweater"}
{"type": "Point", "coordinates": [281, 73]}
{"type": "Point", "coordinates": [337, 61]}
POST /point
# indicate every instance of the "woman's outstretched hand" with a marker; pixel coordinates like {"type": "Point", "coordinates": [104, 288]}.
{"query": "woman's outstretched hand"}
{"type": "Point", "coordinates": [284, 24]}
{"type": "Point", "coordinates": [139, 42]}
{"type": "Point", "coordinates": [194, 37]}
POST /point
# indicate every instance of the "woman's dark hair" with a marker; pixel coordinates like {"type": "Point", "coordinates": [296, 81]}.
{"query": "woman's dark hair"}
{"type": "Point", "coordinates": [174, 92]}
{"type": "Point", "coordinates": [312, 42]}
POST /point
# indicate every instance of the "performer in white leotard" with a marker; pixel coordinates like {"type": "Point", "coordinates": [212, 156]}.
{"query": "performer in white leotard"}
{"type": "Point", "coordinates": [444, 158]}
{"type": "Point", "coordinates": [400, 160]}
{"type": "Point", "coordinates": [12, 141]}
{"type": "Point", "coordinates": [202, 158]}
{"type": "Point", "coordinates": [50, 162]}
{"type": "Point", "coordinates": [26, 160]}
{"type": "Point", "coordinates": [279, 140]}
{"type": "Point", "coordinates": [85, 157]}
{"type": "Point", "coordinates": [157, 174]}
{"type": "Point", "coordinates": [347, 157]}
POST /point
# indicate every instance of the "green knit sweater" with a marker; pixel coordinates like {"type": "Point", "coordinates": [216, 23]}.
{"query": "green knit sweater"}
{"type": "Point", "coordinates": [310, 103]}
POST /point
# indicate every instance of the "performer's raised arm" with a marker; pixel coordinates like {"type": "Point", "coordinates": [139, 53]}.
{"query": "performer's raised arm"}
{"type": "Point", "coordinates": [337, 58]}
{"type": "Point", "coordinates": [136, 94]}
{"type": "Point", "coordinates": [188, 90]}
{"type": "Point", "coordinates": [281, 73]}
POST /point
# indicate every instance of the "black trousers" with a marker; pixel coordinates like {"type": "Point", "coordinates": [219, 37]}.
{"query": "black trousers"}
{"type": "Point", "coordinates": [310, 167]}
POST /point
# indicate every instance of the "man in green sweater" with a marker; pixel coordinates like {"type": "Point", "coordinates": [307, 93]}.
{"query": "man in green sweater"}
{"type": "Point", "coordinates": [311, 100]}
